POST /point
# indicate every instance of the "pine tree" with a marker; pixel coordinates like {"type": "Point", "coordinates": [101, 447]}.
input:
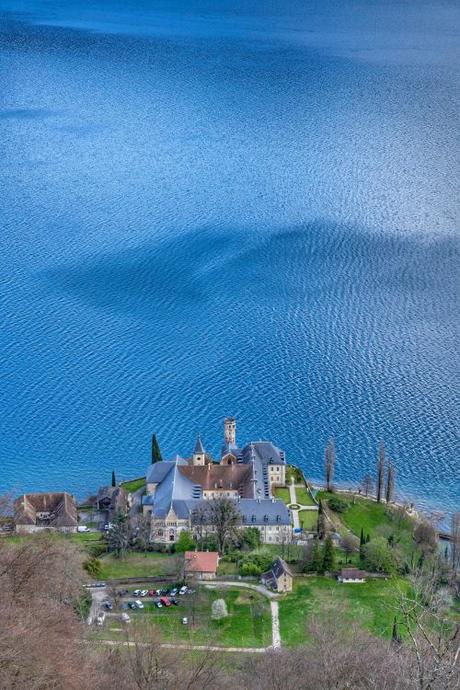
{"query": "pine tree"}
{"type": "Point", "coordinates": [380, 472]}
{"type": "Point", "coordinates": [328, 556]}
{"type": "Point", "coordinates": [330, 464]}
{"type": "Point", "coordinates": [362, 544]}
{"type": "Point", "coordinates": [317, 560]}
{"type": "Point", "coordinates": [390, 488]}
{"type": "Point", "coordinates": [156, 453]}
{"type": "Point", "coordinates": [114, 481]}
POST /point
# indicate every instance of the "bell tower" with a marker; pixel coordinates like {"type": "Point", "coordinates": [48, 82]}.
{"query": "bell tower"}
{"type": "Point", "coordinates": [230, 431]}
{"type": "Point", "coordinates": [199, 454]}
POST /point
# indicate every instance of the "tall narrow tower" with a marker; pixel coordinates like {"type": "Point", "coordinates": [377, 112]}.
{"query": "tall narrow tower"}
{"type": "Point", "coordinates": [230, 431]}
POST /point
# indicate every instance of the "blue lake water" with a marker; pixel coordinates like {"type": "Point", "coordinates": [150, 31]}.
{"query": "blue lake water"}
{"type": "Point", "coordinates": [213, 208]}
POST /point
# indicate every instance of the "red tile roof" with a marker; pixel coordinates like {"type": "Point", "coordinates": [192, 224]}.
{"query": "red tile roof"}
{"type": "Point", "coordinates": [201, 561]}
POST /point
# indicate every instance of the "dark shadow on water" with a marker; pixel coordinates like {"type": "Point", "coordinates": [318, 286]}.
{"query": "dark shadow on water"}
{"type": "Point", "coordinates": [316, 261]}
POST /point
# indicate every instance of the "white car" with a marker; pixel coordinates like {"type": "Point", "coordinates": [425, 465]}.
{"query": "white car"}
{"type": "Point", "coordinates": [144, 592]}
{"type": "Point", "coordinates": [125, 618]}
{"type": "Point", "coordinates": [137, 592]}
{"type": "Point", "coordinates": [83, 528]}
{"type": "Point", "coordinates": [139, 604]}
{"type": "Point", "coordinates": [183, 590]}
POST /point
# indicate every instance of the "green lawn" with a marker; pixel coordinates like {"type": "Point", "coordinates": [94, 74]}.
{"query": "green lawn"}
{"type": "Point", "coordinates": [369, 604]}
{"type": "Point", "coordinates": [138, 565]}
{"type": "Point", "coordinates": [304, 497]}
{"type": "Point", "coordinates": [133, 484]}
{"type": "Point", "coordinates": [283, 494]}
{"type": "Point", "coordinates": [91, 542]}
{"type": "Point", "coordinates": [247, 625]}
{"type": "Point", "coordinates": [308, 519]}
{"type": "Point", "coordinates": [371, 516]}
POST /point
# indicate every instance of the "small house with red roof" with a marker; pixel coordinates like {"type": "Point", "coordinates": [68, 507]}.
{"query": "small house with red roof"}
{"type": "Point", "coordinates": [201, 565]}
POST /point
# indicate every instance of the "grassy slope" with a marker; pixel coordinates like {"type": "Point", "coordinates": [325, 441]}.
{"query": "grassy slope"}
{"type": "Point", "coordinates": [136, 565]}
{"type": "Point", "coordinates": [371, 515]}
{"type": "Point", "coordinates": [369, 604]}
{"type": "Point", "coordinates": [134, 484]}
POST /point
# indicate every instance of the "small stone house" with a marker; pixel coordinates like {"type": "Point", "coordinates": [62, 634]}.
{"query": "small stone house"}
{"type": "Point", "coordinates": [37, 512]}
{"type": "Point", "coordinates": [279, 577]}
{"type": "Point", "coordinates": [112, 500]}
{"type": "Point", "coordinates": [201, 565]}
{"type": "Point", "coordinates": [351, 575]}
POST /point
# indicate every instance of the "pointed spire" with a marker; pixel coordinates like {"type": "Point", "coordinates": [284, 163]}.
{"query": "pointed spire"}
{"type": "Point", "coordinates": [199, 448]}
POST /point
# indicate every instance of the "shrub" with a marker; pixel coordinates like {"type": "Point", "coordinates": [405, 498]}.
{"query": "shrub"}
{"type": "Point", "coordinates": [337, 504]}
{"type": "Point", "coordinates": [93, 566]}
{"type": "Point", "coordinates": [250, 569]}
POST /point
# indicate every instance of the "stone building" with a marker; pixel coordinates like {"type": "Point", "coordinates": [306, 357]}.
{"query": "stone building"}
{"type": "Point", "coordinates": [175, 488]}
{"type": "Point", "coordinates": [279, 577]}
{"type": "Point", "coordinates": [37, 512]}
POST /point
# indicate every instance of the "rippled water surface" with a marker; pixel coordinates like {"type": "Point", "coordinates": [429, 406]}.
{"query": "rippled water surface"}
{"type": "Point", "coordinates": [215, 208]}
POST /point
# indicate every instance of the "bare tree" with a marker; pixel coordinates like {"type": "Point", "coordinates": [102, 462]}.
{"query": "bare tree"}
{"type": "Point", "coordinates": [225, 518]}
{"type": "Point", "coordinates": [330, 464]}
{"type": "Point", "coordinates": [390, 487]}
{"type": "Point", "coordinates": [367, 484]}
{"type": "Point", "coordinates": [380, 471]}
{"type": "Point", "coordinates": [424, 613]}
{"type": "Point", "coordinates": [455, 541]}
{"type": "Point", "coordinates": [142, 527]}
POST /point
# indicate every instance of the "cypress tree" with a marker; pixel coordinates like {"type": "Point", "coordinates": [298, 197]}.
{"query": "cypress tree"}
{"type": "Point", "coordinates": [361, 538]}
{"type": "Point", "coordinates": [368, 538]}
{"type": "Point", "coordinates": [321, 522]}
{"type": "Point", "coordinates": [114, 482]}
{"type": "Point", "coordinates": [156, 453]}
{"type": "Point", "coordinates": [328, 556]}
{"type": "Point", "coordinates": [330, 464]}
{"type": "Point", "coordinates": [362, 544]}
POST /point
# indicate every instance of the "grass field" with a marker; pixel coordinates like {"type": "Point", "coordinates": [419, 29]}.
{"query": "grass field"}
{"type": "Point", "coordinates": [247, 625]}
{"type": "Point", "coordinates": [283, 495]}
{"type": "Point", "coordinates": [368, 604]}
{"type": "Point", "coordinates": [304, 497]}
{"type": "Point", "coordinates": [308, 519]}
{"type": "Point", "coordinates": [138, 565]}
{"type": "Point", "coordinates": [133, 484]}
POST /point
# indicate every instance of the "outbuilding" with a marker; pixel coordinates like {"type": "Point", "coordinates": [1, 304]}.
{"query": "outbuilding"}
{"type": "Point", "coordinates": [201, 564]}
{"type": "Point", "coordinates": [351, 575]}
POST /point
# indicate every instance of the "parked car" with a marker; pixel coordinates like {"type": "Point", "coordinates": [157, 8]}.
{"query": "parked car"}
{"type": "Point", "coordinates": [83, 528]}
{"type": "Point", "coordinates": [165, 601]}
{"type": "Point", "coordinates": [174, 601]}
{"type": "Point", "coordinates": [173, 592]}
{"type": "Point", "coordinates": [108, 605]}
{"type": "Point", "coordinates": [131, 604]}
{"type": "Point", "coordinates": [158, 604]}
{"type": "Point", "coordinates": [144, 592]}
{"type": "Point", "coordinates": [137, 592]}
{"type": "Point", "coordinates": [152, 593]}
{"type": "Point", "coordinates": [183, 590]}
{"type": "Point", "coordinates": [125, 618]}
{"type": "Point", "coordinates": [100, 618]}
{"type": "Point", "coordinates": [139, 604]}
{"type": "Point", "coordinates": [123, 592]}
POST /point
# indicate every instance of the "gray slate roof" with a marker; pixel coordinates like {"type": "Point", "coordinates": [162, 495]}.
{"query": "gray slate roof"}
{"type": "Point", "coordinates": [199, 448]}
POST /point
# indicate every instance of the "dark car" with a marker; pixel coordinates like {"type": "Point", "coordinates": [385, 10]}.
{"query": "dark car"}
{"type": "Point", "coordinates": [174, 601]}
{"type": "Point", "coordinates": [132, 605]}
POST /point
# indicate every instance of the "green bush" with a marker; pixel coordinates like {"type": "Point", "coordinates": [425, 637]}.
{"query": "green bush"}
{"type": "Point", "coordinates": [251, 569]}
{"type": "Point", "coordinates": [337, 504]}
{"type": "Point", "coordinates": [93, 566]}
